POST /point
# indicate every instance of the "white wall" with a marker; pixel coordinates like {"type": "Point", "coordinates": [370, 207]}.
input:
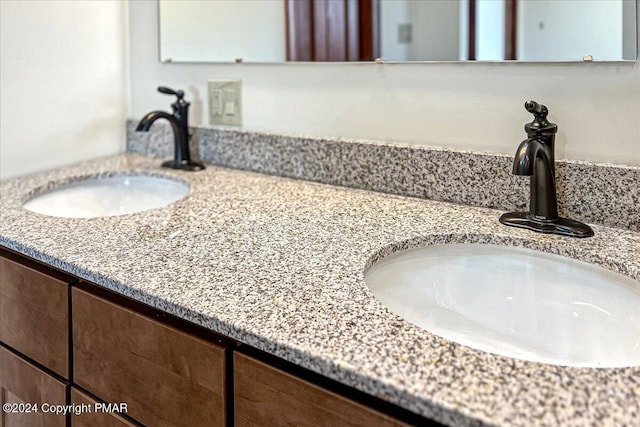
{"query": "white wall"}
{"type": "Point", "coordinates": [201, 30]}
{"type": "Point", "coordinates": [64, 73]}
{"type": "Point", "coordinates": [476, 106]}
{"type": "Point", "coordinates": [568, 29]}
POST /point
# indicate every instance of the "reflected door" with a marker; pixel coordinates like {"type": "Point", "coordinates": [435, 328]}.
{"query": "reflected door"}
{"type": "Point", "coordinates": [332, 30]}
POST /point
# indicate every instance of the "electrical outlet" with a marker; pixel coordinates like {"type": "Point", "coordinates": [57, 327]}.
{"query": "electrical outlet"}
{"type": "Point", "coordinates": [225, 102]}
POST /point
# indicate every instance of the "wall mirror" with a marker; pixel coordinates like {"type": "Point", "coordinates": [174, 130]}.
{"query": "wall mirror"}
{"type": "Point", "coordinates": [396, 30]}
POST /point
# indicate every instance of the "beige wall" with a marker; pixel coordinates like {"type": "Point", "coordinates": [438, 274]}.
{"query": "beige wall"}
{"type": "Point", "coordinates": [475, 106]}
{"type": "Point", "coordinates": [63, 82]}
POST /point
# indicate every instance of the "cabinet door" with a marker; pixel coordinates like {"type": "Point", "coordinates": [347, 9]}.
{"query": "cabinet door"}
{"type": "Point", "coordinates": [23, 383]}
{"type": "Point", "coordinates": [165, 376]}
{"type": "Point", "coordinates": [266, 396]}
{"type": "Point", "coordinates": [34, 314]}
{"type": "Point", "coordinates": [88, 416]}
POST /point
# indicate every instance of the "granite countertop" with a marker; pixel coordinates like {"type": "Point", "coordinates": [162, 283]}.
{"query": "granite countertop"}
{"type": "Point", "coordinates": [279, 264]}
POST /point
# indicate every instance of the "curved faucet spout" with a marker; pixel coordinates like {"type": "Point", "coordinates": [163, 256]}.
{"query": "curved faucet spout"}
{"type": "Point", "coordinates": [523, 161]}
{"type": "Point", "coordinates": [532, 159]}
{"type": "Point", "coordinates": [151, 117]}
{"type": "Point", "coordinates": [526, 154]}
{"type": "Point", "coordinates": [180, 133]}
{"type": "Point", "coordinates": [180, 125]}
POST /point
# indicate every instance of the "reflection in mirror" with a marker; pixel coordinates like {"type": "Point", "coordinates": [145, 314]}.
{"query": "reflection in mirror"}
{"type": "Point", "coordinates": [396, 30]}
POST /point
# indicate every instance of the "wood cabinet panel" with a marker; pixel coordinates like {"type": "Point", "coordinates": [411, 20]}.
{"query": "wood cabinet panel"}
{"type": "Point", "coordinates": [94, 418]}
{"type": "Point", "coordinates": [267, 396]}
{"type": "Point", "coordinates": [165, 376]}
{"type": "Point", "coordinates": [34, 310]}
{"type": "Point", "coordinates": [22, 382]}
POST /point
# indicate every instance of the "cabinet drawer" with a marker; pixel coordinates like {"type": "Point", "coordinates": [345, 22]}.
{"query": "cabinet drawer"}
{"type": "Point", "coordinates": [165, 376]}
{"type": "Point", "coordinates": [94, 418]}
{"type": "Point", "coordinates": [21, 382]}
{"type": "Point", "coordinates": [267, 396]}
{"type": "Point", "coordinates": [34, 314]}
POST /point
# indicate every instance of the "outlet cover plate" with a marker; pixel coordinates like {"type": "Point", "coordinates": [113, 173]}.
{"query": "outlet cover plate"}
{"type": "Point", "coordinates": [225, 102]}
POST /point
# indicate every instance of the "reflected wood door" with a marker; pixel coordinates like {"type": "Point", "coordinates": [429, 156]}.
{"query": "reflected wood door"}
{"type": "Point", "coordinates": [332, 30]}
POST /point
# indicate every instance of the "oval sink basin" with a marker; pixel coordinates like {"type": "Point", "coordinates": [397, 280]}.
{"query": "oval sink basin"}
{"type": "Point", "coordinates": [515, 302]}
{"type": "Point", "coordinates": [110, 196]}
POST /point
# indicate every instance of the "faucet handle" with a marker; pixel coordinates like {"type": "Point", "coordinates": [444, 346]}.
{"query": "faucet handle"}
{"type": "Point", "coordinates": [540, 125]}
{"type": "Point", "coordinates": [538, 110]}
{"type": "Point", "coordinates": [169, 91]}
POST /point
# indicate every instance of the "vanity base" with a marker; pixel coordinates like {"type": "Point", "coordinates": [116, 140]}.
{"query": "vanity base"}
{"type": "Point", "coordinates": [562, 226]}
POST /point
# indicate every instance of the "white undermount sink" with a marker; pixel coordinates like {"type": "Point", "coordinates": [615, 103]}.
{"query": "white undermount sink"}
{"type": "Point", "coordinates": [515, 302]}
{"type": "Point", "coordinates": [108, 196]}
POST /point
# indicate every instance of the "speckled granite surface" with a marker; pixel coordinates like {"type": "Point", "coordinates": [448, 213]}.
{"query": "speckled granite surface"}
{"type": "Point", "coordinates": [589, 192]}
{"type": "Point", "coordinates": [279, 263]}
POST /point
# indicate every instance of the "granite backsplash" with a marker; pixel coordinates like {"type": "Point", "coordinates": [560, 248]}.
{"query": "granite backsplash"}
{"type": "Point", "coordinates": [591, 192]}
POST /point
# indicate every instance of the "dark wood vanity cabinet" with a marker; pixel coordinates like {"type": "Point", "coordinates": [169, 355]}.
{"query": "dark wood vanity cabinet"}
{"type": "Point", "coordinates": [26, 388]}
{"type": "Point", "coordinates": [34, 313]}
{"type": "Point", "coordinates": [34, 332]}
{"type": "Point", "coordinates": [91, 417]}
{"type": "Point", "coordinates": [166, 376]}
{"type": "Point", "coordinates": [267, 396]}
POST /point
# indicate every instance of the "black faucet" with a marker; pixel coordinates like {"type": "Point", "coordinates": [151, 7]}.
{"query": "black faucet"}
{"type": "Point", "coordinates": [179, 121]}
{"type": "Point", "coordinates": [535, 158]}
